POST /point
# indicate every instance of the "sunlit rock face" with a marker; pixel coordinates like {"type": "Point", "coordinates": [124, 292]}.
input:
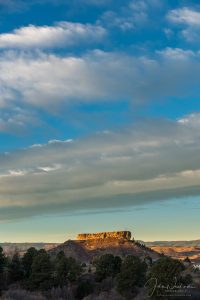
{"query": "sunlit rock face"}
{"type": "Point", "coordinates": [104, 235]}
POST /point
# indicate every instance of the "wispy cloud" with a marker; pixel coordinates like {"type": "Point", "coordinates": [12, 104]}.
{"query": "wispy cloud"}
{"type": "Point", "coordinates": [16, 120]}
{"type": "Point", "coordinates": [133, 14]}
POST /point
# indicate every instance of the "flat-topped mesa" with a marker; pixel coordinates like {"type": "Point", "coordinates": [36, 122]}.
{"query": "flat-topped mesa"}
{"type": "Point", "coordinates": [104, 235]}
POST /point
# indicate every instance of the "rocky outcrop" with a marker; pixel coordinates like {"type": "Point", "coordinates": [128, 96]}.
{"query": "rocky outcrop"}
{"type": "Point", "coordinates": [104, 235]}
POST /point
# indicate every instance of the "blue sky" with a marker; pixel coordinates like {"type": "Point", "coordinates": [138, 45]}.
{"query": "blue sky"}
{"type": "Point", "coordinates": [99, 117]}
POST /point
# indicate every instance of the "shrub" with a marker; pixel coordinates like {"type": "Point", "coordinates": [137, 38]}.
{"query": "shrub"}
{"type": "Point", "coordinates": [21, 295]}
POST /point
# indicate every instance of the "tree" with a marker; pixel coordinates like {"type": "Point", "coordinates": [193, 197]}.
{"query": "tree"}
{"type": "Point", "coordinates": [3, 263]}
{"type": "Point", "coordinates": [60, 270]}
{"type": "Point", "coordinates": [15, 268]}
{"type": "Point", "coordinates": [65, 269]}
{"type": "Point", "coordinates": [41, 271]}
{"type": "Point", "coordinates": [107, 265]}
{"type": "Point", "coordinates": [165, 272]}
{"type": "Point", "coordinates": [132, 275]}
{"type": "Point", "coordinates": [73, 269]}
{"type": "Point", "coordinates": [2, 260]}
{"type": "Point", "coordinates": [117, 265]}
{"type": "Point", "coordinates": [27, 260]}
{"type": "Point", "coordinates": [187, 280]}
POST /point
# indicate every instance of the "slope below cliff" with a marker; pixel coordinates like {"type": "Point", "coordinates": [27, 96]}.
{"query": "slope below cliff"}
{"type": "Point", "coordinates": [86, 250]}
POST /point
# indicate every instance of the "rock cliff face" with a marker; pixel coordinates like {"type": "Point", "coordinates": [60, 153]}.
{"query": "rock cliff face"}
{"type": "Point", "coordinates": [104, 235]}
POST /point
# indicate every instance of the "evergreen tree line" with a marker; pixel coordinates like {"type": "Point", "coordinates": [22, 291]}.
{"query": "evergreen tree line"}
{"type": "Point", "coordinates": [36, 270]}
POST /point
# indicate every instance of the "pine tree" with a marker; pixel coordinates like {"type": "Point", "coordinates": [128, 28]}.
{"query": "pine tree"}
{"type": "Point", "coordinates": [132, 275]}
{"type": "Point", "coordinates": [41, 271]}
{"type": "Point", "coordinates": [27, 260]}
{"type": "Point", "coordinates": [15, 268]}
{"type": "Point", "coordinates": [60, 270]}
{"type": "Point", "coordinates": [107, 265]}
{"type": "Point", "coordinates": [3, 262]}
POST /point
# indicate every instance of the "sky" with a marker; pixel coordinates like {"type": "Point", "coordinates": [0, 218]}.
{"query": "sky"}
{"type": "Point", "coordinates": [99, 119]}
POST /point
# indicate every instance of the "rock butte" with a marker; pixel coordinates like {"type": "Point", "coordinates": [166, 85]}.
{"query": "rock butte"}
{"type": "Point", "coordinates": [104, 235]}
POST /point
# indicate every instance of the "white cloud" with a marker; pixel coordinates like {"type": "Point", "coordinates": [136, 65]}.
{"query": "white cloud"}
{"type": "Point", "coordinates": [145, 163]}
{"type": "Point", "coordinates": [185, 15]}
{"type": "Point", "coordinates": [193, 120]}
{"type": "Point", "coordinates": [54, 167]}
{"type": "Point", "coordinates": [49, 81]}
{"type": "Point", "coordinates": [61, 35]}
{"type": "Point", "coordinates": [44, 79]}
{"type": "Point", "coordinates": [177, 53]}
{"type": "Point", "coordinates": [189, 19]}
{"type": "Point", "coordinates": [52, 82]}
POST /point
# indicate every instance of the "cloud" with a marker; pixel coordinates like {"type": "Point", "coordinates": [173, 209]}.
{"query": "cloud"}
{"type": "Point", "coordinates": [61, 35]}
{"type": "Point", "coordinates": [131, 16]}
{"type": "Point", "coordinates": [148, 162]}
{"type": "Point", "coordinates": [185, 15]}
{"type": "Point", "coordinates": [189, 18]}
{"type": "Point", "coordinates": [177, 54]}
{"type": "Point", "coordinates": [51, 82]}
{"type": "Point", "coordinates": [16, 119]}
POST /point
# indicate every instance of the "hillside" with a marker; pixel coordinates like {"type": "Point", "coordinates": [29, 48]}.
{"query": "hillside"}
{"type": "Point", "coordinates": [86, 250]}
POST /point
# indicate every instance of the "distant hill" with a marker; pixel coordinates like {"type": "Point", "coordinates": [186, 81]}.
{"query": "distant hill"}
{"type": "Point", "coordinates": [21, 248]}
{"type": "Point", "coordinates": [192, 243]}
{"type": "Point", "coordinates": [178, 249]}
{"type": "Point", "coordinates": [180, 252]}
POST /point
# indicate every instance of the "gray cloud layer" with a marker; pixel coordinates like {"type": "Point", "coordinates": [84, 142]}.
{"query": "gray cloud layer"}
{"type": "Point", "coordinates": [145, 163]}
